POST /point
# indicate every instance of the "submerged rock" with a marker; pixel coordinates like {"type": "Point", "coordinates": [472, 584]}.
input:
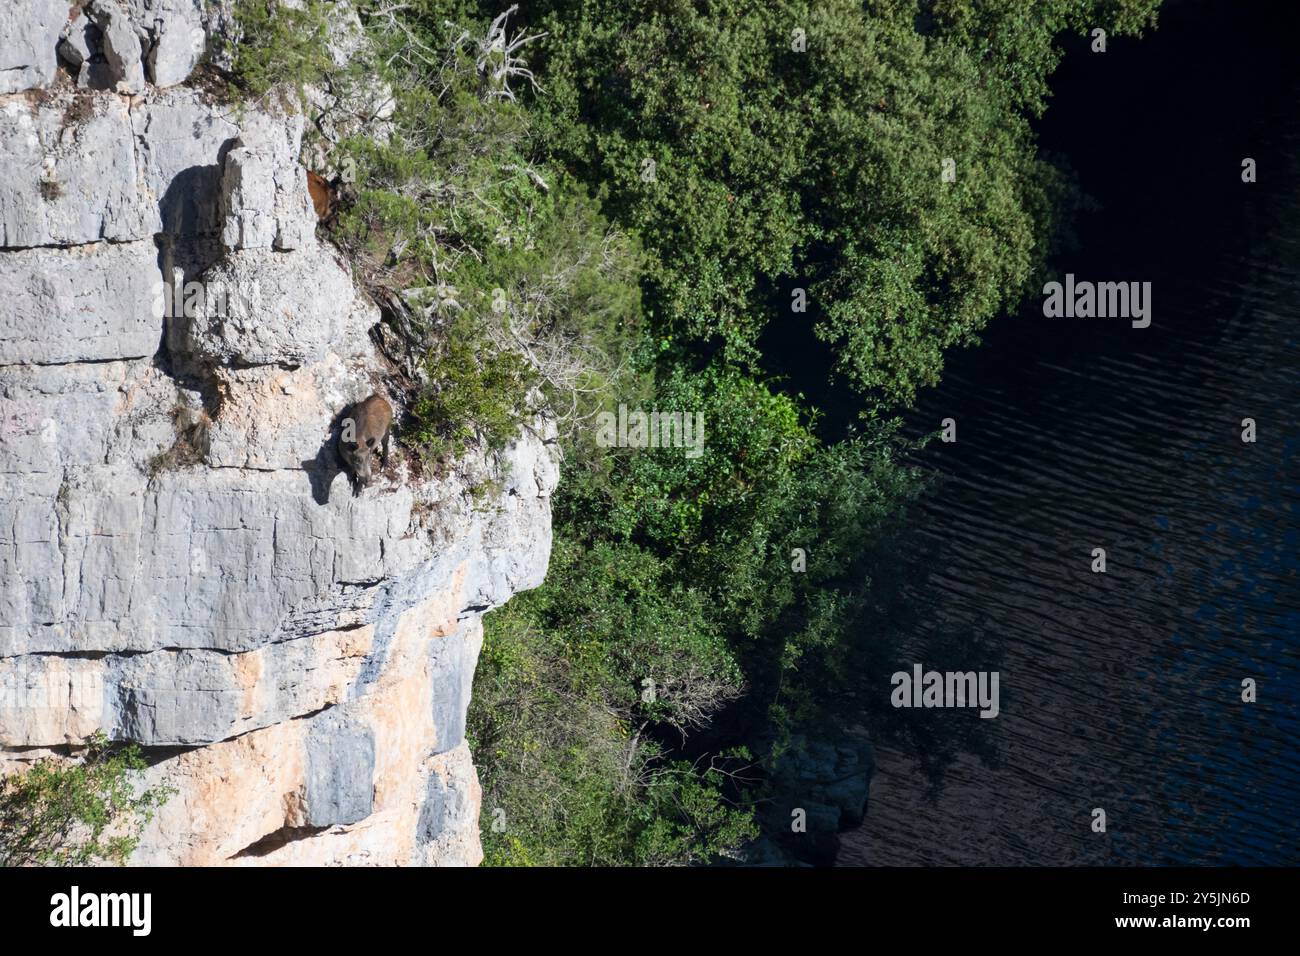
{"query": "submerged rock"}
{"type": "Point", "coordinates": [817, 789]}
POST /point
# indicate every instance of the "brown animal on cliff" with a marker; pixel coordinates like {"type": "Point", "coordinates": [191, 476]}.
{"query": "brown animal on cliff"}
{"type": "Point", "coordinates": [322, 195]}
{"type": "Point", "coordinates": [365, 430]}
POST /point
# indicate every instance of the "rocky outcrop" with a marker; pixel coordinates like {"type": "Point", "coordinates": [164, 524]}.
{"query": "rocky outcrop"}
{"type": "Point", "coordinates": [181, 561]}
{"type": "Point", "coordinates": [816, 788]}
{"type": "Point", "coordinates": [29, 33]}
{"type": "Point", "coordinates": [116, 44]}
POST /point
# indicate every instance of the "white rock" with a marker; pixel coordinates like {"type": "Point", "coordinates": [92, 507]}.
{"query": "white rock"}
{"type": "Point", "coordinates": [80, 40]}
{"type": "Point", "coordinates": [29, 37]}
{"type": "Point", "coordinates": [180, 142]}
{"type": "Point", "coordinates": [248, 201]}
{"type": "Point", "coordinates": [181, 560]}
{"type": "Point", "coordinates": [173, 37]}
{"type": "Point", "coordinates": [121, 44]}
{"type": "Point", "coordinates": [84, 305]}
{"type": "Point", "coordinates": [69, 173]}
{"type": "Point", "coordinates": [277, 308]}
{"type": "Point", "coordinates": [265, 203]}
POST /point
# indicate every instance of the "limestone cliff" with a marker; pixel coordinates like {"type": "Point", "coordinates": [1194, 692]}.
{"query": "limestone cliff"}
{"type": "Point", "coordinates": [181, 562]}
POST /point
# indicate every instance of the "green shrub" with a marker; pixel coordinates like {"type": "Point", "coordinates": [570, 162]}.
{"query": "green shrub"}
{"type": "Point", "coordinates": [563, 726]}
{"type": "Point", "coordinates": [76, 814]}
{"type": "Point", "coordinates": [674, 574]}
{"type": "Point", "coordinates": [474, 395]}
{"type": "Point", "coordinates": [500, 273]}
{"type": "Point", "coordinates": [279, 46]}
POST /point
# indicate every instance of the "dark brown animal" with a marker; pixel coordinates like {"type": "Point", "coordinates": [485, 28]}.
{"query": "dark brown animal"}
{"type": "Point", "coordinates": [365, 430]}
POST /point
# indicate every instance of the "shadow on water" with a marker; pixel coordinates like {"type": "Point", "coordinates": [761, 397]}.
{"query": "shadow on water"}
{"type": "Point", "coordinates": [1124, 691]}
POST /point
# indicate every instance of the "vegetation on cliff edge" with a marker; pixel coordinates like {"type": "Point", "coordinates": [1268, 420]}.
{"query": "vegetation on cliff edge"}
{"type": "Point", "coordinates": [589, 203]}
{"type": "Point", "coordinates": [77, 813]}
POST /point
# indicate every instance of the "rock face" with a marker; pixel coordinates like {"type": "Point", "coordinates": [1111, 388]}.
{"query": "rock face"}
{"type": "Point", "coordinates": [29, 33]}
{"type": "Point", "coordinates": [181, 561]}
{"type": "Point", "coordinates": [818, 788]}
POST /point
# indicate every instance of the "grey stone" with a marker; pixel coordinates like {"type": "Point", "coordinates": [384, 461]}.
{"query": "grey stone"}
{"type": "Point", "coordinates": [340, 771]}
{"type": "Point", "coordinates": [181, 562]}
{"type": "Point", "coordinates": [248, 200]}
{"type": "Point", "coordinates": [174, 37]}
{"type": "Point", "coordinates": [70, 173]}
{"type": "Point", "coordinates": [29, 37]}
{"type": "Point", "coordinates": [86, 304]}
{"type": "Point", "coordinates": [277, 309]}
{"type": "Point", "coordinates": [121, 44]}
{"type": "Point", "coordinates": [82, 48]}
{"type": "Point", "coordinates": [444, 808]}
{"type": "Point", "coordinates": [181, 149]}
{"type": "Point", "coordinates": [59, 417]}
{"type": "Point", "coordinates": [232, 559]}
{"type": "Point", "coordinates": [96, 74]}
{"type": "Point", "coordinates": [180, 697]}
{"type": "Point", "coordinates": [829, 776]}
{"type": "Point", "coordinates": [80, 41]}
{"type": "Point", "coordinates": [265, 202]}
{"type": "Point", "coordinates": [452, 664]}
{"type": "Point", "coordinates": [173, 697]}
{"type": "Point", "coordinates": [182, 158]}
{"type": "Point", "coordinates": [222, 30]}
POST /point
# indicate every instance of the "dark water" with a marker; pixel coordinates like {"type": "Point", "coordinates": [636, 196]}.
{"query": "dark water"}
{"type": "Point", "coordinates": [1123, 690]}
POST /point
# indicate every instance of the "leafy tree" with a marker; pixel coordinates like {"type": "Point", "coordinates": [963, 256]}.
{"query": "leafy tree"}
{"type": "Point", "coordinates": [74, 814]}
{"type": "Point", "coordinates": [814, 160]}
{"type": "Point", "coordinates": [749, 165]}
{"type": "Point", "coordinates": [671, 598]}
{"type": "Point", "coordinates": [279, 46]}
{"type": "Point", "coordinates": [563, 723]}
{"type": "Point", "coordinates": [587, 200]}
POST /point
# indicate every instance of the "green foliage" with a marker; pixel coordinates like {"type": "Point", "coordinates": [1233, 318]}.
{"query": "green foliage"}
{"type": "Point", "coordinates": [280, 46]}
{"type": "Point", "coordinates": [728, 521]}
{"type": "Point", "coordinates": [562, 736]}
{"type": "Point", "coordinates": [1014, 41]}
{"type": "Point", "coordinates": [501, 273]}
{"type": "Point", "coordinates": [772, 169]}
{"type": "Point", "coordinates": [527, 257]}
{"type": "Point", "coordinates": [674, 573]}
{"type": "Point", "coordinates": [76, 814]}
{"type": "Point", "coordinates": [820, 169]}
{"type": "Point", "coordinates": [469, 398]}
